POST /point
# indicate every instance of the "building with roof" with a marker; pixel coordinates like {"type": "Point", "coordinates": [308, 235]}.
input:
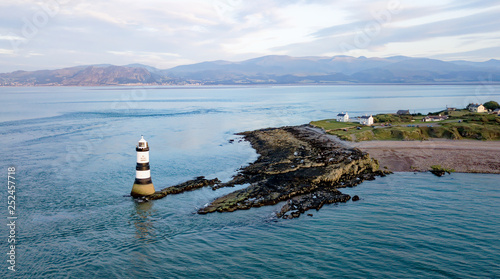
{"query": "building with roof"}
{"type": "Point", "coordinates": [366, 120]}
{"type": "Point", "coordinates": [343, 117]}
{"type": "Point", "coordinates": [476, 108]}
{"type": "Point", "coordinates": [403, 112]}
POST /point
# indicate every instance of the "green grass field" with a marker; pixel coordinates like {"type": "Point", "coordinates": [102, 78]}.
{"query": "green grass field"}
{"type": "Point", "coordinates": [477, 126]}
{"type": "Point", "coordinates": [332, 124]}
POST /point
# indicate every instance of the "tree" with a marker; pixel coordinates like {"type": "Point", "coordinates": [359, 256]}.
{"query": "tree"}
{"type": "Point", "coordinates": [491, 105]}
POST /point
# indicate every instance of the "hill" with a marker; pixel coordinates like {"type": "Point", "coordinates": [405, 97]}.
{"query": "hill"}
{"type": "Point", "coordinates": [273, 69]}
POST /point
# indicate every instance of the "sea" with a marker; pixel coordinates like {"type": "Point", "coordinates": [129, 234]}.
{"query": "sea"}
{"type": "Point", "coordinates": [71, 153]}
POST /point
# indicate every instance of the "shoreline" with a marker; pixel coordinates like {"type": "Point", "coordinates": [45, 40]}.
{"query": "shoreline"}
{"type": "Point", "coordinates": [474, 83]}
{"type": "Point", "coordinates": [465, 156]}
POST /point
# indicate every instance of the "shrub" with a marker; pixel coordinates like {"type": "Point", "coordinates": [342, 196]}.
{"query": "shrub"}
{"type": "Point", "coordinates": [491, 105]}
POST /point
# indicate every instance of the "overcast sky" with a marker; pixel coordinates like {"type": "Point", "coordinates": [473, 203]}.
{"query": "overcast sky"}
{"type": "Point", "coordinates": [49, 34]}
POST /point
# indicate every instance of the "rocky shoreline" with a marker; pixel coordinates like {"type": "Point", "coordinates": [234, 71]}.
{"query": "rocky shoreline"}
{"type": "Point", "coordinates": [301, 165]}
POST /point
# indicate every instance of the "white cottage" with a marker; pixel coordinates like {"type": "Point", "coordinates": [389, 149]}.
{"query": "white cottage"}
{"type": "Point", "coordinates": [477, 108]}
{"type": "Point", "coordinates": [343, 117]}
{"type": "Point", "coordinates": [366, 120]}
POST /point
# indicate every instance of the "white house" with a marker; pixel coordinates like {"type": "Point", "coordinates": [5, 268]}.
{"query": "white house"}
{"type": "Point", "coordinates": [343, 117]}
{"type": "Point", "coordinates": [366, 120]}
{"type": "Point", "coordinates": [477, 108]}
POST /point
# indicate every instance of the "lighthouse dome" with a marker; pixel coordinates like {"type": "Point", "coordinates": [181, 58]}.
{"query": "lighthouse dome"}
{"type": "Point", "coordinates": [143, 144]}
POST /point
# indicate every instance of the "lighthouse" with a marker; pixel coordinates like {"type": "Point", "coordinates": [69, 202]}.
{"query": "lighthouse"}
{"type": "Point", "coordinates": [143, 185]}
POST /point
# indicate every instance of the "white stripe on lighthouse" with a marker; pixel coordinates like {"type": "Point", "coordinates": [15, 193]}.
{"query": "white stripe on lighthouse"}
{"type": "Point", "coordinates": [143, 157]}
{"type": "Point", "coordinates": [143, 174]}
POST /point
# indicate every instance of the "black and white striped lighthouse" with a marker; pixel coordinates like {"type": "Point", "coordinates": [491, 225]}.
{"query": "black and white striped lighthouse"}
{"type": "Point", "coordinates": [143, 185]}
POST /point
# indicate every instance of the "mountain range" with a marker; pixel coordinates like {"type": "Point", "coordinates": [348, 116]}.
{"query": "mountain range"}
{"type": "Point", "coordinates": [272, 69]}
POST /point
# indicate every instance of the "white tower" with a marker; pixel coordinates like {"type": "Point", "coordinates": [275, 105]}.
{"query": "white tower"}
{"type": "Point", "coordinates": [143, 185]}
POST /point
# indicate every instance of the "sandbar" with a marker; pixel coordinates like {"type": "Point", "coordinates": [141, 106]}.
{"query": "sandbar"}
{"type": "Point", "coordinates": [470, 156]}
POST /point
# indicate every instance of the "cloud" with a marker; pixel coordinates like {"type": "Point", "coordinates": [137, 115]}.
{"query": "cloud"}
{"type": "Point", "coordinates": [166, 33]}
{"type": "Point", "coordinates": [11, 37]}
{"type": "Point", "coordinates": [6, 51]}
{"type": "Point", "coordinates": [410, 30]}
{"type": "Point", "coordinates": [135, 53]}
{"type": "Point", "coordinates": [477, 54]}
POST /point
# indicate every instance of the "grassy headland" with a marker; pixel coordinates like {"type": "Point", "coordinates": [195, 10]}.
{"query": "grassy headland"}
{"type": "Point", "coordinates": [460, 124]}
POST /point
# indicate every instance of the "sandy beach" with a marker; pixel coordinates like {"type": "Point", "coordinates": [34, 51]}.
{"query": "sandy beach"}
{"type": "Point", "coordinates": [462, 155]}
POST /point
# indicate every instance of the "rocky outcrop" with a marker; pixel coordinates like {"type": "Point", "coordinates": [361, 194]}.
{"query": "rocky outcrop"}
{"type": "Point", "coordinates": [315, 200]}
{"type": "Point", "coordinates": [298, 164]}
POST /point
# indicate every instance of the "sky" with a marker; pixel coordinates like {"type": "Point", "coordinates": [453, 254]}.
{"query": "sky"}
{"type": "Point", "coordinates": [51, 34]}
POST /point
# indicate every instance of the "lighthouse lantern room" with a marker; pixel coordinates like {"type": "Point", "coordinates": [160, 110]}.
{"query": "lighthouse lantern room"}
{"type": "Point", "coordinates": [143, 185]}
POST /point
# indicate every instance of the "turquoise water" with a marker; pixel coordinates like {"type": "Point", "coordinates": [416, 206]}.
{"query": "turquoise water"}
{"type": "Point", "coordinates": [74, 150]}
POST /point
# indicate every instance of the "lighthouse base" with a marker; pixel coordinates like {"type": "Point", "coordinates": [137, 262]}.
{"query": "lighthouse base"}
{"type": "Point", "coordinates": [140, 190]}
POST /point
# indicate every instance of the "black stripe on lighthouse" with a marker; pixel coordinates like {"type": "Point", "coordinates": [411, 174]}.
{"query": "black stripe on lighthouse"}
{"type": "Point", "coordinates": [143, 181]}
{"type": "Point", "coordinates": [141, 167]}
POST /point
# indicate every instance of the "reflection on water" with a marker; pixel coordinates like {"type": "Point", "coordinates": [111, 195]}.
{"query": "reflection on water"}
{"type": "Point", "coordinates": [142, 219]}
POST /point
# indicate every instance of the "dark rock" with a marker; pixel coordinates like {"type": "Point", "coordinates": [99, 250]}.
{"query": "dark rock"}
{"type": "Point", "coordinates": [355, 198]}
{"type": "Point", "coordinates": [294, 214]}
{"type": "Point", "coordinates": [190, 185]}
{"type": "Point", "coordinates": [438, 173]}
{"type": "Point", "coordinates": [313, 200]}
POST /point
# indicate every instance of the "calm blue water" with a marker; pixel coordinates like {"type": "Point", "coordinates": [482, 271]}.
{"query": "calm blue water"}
{"type": "Point", "coordinates": [74, 150]}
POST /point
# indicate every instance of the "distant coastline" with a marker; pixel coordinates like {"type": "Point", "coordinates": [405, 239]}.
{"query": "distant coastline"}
{"type": "Point", "coordinates": [270, 70]}
{"type": "Point", "coordinates": [151, 86]}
